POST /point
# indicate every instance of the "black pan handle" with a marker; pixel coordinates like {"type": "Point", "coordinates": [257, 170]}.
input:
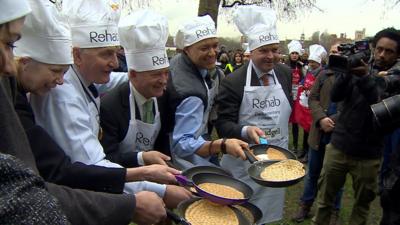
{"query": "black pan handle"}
{"type": "Point", "coordinates": [176, 218]}
{"type": "Point", "coordinates": [249, 156]}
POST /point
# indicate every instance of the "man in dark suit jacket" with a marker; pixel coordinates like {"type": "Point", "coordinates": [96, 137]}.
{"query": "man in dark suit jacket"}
{"type": "Point", "coordinates": [255, 101]}
{"type": "Point", "coordinates": [231, 94]}
{"type": "Point", "coordinates": [115, 116]}
{"type": "Point", "coordinates": [130, 115]}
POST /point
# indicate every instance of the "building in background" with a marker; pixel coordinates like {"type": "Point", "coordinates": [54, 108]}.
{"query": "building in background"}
{"type": "Point", "coordinates": [359, 35]}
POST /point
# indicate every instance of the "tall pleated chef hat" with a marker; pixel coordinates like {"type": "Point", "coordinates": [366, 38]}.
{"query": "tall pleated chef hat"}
{"type": "Point", "coordinates": [144, 35]}
{"type": "Point", "coordinates": [45, 36]}
{"type": "Point", "coordinates": [13, 9]}
{"type": "Point", "coordinates": [317, 53]}
{"type": "Point", "coordinates": [258, 24]}
{"type": "Point", "coordinates": [94, 23]}
{"type": "Point", "coordinates": [195, 30]}
{"type": "Point", "coordinates": [295, 46]}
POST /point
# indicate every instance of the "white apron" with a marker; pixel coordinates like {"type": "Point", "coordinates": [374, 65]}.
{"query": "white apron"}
{"type": "Point", "coordinates": [268, 108]}
{"type": "Point", "coordinates": [196, 160]}
{"type": "Point", "coordinates": [141, 136]}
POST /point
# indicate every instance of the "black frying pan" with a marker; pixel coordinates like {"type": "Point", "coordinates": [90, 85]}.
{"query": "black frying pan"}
{"type": "Point", "coordinates": [258, 166]}
{"type": "Point", "coordinates": [201, 178]}
{"type": "Point", "coordinates": [176, 218]}
{"type": "Point", "coordinates": [189, 173]}
{"type": "Point", "coordinates": [182, 207]}
{"type": "Point", "coordinates": [255, 211]}
{"type": "Point", "coordinates": [199, 169]}
{"type": "Point", "coordinates": [262, 149]}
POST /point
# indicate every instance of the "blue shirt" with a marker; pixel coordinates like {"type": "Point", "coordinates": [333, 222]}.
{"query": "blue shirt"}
{"type": "Point", "coordinates": [188, 119]}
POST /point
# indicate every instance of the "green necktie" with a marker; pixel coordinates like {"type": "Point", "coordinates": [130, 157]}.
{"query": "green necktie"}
{"type": "Point", "coordinates": [148, 116]}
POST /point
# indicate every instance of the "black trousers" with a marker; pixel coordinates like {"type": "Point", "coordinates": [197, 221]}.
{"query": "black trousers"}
{"type": "Point", "coordinates": [390, 202]}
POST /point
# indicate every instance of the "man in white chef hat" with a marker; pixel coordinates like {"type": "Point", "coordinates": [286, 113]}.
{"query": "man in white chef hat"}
{"type": "Point", "coordinates": [131, 113]}
{"type": "Point", "coordinates": [255, 101]}
{"type": "Point", "coordinates": [70, 112]}
{"type": "Point", "coordinates": [191, 91]}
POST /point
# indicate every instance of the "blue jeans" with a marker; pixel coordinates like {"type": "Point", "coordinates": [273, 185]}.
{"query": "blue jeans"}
{"type": "Point", "coordinates": [315, 160]}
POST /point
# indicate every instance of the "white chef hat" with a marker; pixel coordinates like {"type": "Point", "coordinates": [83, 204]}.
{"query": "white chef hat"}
{"type": "Point", "coordinates": [94, 23]}
{"type": "Point", "coordinates": [195, 30]}
{"type": "Point", "coordinates": [258, 24]}
{"type": "Point", "coordinates": [13, 9]}
{"type": "Point", "coordinates": [178, 43]}
{"type": "Point", "coordinates": [45, 36]}
{"type": "Point", "coordinates": [144, 35]}
{"type": "Point", "coordinates": [317, 53]}
{"type": "Point", "coordinates": [294, 46]}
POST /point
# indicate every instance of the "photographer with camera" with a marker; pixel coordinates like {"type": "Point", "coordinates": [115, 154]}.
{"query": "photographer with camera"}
{"type": "Point", "coordinates": [356, 145]}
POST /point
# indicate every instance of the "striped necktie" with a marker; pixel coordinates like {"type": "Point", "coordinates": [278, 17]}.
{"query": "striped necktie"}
{"type": "Point", "coordinates": [265, 79]}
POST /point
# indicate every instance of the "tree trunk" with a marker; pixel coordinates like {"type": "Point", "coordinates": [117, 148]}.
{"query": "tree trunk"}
{"type": "Point", "coordinates": [209, 7]}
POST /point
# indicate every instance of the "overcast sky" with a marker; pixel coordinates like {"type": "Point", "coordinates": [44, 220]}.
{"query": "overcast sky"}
{"type": "Point", "coordinates": [339, 16]}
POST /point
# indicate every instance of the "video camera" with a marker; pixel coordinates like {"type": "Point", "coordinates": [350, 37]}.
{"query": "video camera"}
{"type": "Point", "coordinates": [350, 56]}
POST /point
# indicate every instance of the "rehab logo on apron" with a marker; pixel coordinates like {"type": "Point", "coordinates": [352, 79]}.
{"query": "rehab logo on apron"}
{"type": "Point", "coordinates": [268, 108]}
{"type": "Point", "coordinates": [141, 136]}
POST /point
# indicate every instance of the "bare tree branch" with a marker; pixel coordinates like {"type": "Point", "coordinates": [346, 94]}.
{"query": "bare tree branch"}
{"type": "Point", "coordinates": [243, 2]}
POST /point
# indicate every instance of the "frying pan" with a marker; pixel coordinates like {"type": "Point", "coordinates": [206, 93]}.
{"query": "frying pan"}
{"type": "Point", "coordinates": [199, 169]}
{"type": "Point", "coordinates": [262, 148]}
{"type": "Point", "coordinates": [176, 218]}
{"type": "Point", "coordinates": [258, 166]}
{"type": "Point", "coordinates": [189, 173]}
{"type": "Point", "coordinates": [200, 178]}
{"type": "Point", "coordinates": [255, 211]}
{"type": "Point", "coordinates": [182, 207]}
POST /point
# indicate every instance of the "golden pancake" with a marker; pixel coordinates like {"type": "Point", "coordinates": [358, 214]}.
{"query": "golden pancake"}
{"type": "Point", "coordinates": [283, 171]}
{"type": "Point", "coordinates": [204, 212]}
{"type": "Point", "coordinates": [274, 154]}
{"type": "Point", "coordinates": [221, 190]}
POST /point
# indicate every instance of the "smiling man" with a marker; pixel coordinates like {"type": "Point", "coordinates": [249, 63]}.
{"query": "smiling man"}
{"type": "Point", "coordinates": [191, 91]}
{"type": "Point", "coordinates": [130, 114]}
{"type": "Point", "coordinates": [255, 101]}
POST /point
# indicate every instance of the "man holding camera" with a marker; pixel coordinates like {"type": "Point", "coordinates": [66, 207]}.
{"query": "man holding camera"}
{"type": "Point", "coordinates": [356, 145]}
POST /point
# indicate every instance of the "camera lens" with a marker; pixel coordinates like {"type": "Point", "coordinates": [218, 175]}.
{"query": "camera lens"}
{"type": "Point", "coordinates": [387, 111]}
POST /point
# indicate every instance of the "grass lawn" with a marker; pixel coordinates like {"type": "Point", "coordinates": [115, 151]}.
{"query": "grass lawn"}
{"type": "Point", "coordinates": [293, 195]}
{"type": "Point", "coordinates": [292, 199]}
